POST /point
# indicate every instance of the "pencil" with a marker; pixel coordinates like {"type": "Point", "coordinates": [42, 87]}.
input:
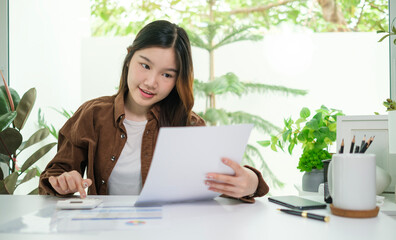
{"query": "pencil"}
{"type": "Point", "coordinates": [364, 148]}
{"type": "Point", "coordinates": [352, 144]}
{"type": "Point", "coordinates": [357, 149]}
{"type": "Point", "coordinates": [342, 147]}
{"type": "Point", "coordinates": [363, 141]}
{"type": "Point", "coordinates": [305, 214]}
{"type": "Point", "coordinates": [369, 142]}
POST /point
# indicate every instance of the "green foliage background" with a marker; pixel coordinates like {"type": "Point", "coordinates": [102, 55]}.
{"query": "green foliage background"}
{"type": "Point", "coordinates": [212, 24]}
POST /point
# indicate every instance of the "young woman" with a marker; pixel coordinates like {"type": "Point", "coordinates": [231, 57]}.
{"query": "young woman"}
{"type": "Point", "coordinates": [112, 138]}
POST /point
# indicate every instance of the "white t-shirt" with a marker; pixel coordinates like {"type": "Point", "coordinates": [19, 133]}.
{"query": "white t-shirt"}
{"type": "Point", "coordinates": [126, 178]}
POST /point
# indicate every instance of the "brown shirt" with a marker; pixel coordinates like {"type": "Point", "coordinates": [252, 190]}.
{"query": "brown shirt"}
{"type": "Point", "coordinates": [93, 138]}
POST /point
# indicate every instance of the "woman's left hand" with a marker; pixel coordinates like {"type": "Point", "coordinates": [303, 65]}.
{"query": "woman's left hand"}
{"type": "Point", "coordinates": [243, 183]}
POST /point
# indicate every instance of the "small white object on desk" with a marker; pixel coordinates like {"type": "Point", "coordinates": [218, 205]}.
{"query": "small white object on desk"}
{"type": "Point", "coordinates": [77, 203]}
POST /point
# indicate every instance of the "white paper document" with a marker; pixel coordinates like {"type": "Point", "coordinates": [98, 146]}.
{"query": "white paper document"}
{"type": "Point", "coordinates": [184, 155]}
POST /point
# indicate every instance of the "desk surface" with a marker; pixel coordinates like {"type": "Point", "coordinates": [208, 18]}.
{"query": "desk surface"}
{"type": "Point", "coordinates": [218, 219]}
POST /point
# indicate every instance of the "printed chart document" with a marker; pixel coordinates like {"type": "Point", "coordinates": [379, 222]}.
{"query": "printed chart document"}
{"type": "Point", "coordinates": [182, 158]}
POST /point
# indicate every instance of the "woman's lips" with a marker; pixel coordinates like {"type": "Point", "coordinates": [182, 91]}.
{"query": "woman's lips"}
{"type": "Point", "coordinates": [146, 93]}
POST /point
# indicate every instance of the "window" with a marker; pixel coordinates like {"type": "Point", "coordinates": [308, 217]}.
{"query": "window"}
{"type": "Point", "coordinates": [51, 48]}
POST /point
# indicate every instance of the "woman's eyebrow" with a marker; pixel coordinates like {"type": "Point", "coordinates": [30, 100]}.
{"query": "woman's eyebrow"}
{"type": "Point", "coordinates": [167, 69]}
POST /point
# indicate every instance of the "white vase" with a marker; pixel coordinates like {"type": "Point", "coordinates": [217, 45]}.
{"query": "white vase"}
{"type": "Point", "coordinates": [392, 131]}
{"type": "Point", "coordinates": [383, 179]}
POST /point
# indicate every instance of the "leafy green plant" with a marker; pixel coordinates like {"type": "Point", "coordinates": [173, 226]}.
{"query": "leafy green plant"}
{"type": "Point", "coordinates": [315, 136]}
{"type": "Point", "coordinates": [392, 32]}
{"type": "Point", "coordinates": [312, 159]}
{"type": "Point", "coordinates": [51, 128]}
{"type": "Point", "coordinates": [390, 105]}
{"type": "Point", "coordinates": [14, 114]}
{"type": "Point", "coordinates": [210, 32]}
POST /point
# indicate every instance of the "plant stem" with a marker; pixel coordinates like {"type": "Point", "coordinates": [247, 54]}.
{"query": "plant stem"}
{"type": "Point", "coordinates": [8, 92]}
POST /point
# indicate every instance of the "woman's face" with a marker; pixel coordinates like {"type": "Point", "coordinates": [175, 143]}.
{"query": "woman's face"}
{"type": "Point", "coordinates": [152, 75]}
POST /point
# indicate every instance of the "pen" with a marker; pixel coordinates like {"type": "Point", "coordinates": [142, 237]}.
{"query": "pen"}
{"type": "Point", "coordinates": [306, 214]}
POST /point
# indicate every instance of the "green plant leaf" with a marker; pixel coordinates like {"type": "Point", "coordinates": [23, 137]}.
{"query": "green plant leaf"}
{"type": "Point", "coordinates": [318, 117]}
{"type": "Point", "coordinates": [260, 124]}
{"type": "Point", "coordinates": [385, 36]}
{"type": "Point", "coordinates": [213, 116]}
{"type": "Point", "coordinates": [313, 124]}
{"type": "Point", "coordinates": [36, 156]}
{"type": "Point", "coordinates": [301, 120]}
{"type": "Point", "coordinates": [286, 135]}
{"type": "Point", "coordinates": [324, 130]}
{"type": "Point", "coordinates": [305, 113]}
{"type": "Point", "coordinates": [25, 107]}
{"type": "Point", "coordinates": [4, 159]}
{"type": "Point", "coordinates": [265, 88]}
{"type": "Point", "coordinates": [38, 136]}
{"type": "Point", "coordinates": [333, 136]}
{"type": "Point", "coordinates": [10, 182]}
{"type": "Point", "coordinates": [4, 103]}
{"type": "Point", "coordinates": [6, 120]}
{"type": "Point", "coordinates": [34, 191]}
{"type": "Point", "coordinates": [29, 175]}
{"type": "Point", "coordinates": [333, 127]}
{"type": "Point", "coordinates": [265, 143]}
{"type": "Point", "coordinates": [12, 139]}
{"type": "Point", "coordinates": [290, 148]}
{"type": "Point", "coordinates": [273, 147]}
{"type": "Point", "coordinates": [3, 189]}
{"type": "Point", "coordinates": [254, 154]}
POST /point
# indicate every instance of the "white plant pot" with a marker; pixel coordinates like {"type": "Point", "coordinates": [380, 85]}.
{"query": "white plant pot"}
{"type": "Point", "coordinates": [392, 131]}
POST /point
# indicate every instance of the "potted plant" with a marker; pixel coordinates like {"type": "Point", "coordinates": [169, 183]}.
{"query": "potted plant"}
{"type": "Point", "coordinates": [315, 134]}
{"type": "Point", "coordinates": [14, 112]}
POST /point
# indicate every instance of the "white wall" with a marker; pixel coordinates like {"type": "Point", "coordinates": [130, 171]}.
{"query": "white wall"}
{"type": "Point", "coordinates": [45, 53]}
{"type": "Point", "coordinates": [51, 50]}
{"type": "Point", "coordinates": [347, 71]}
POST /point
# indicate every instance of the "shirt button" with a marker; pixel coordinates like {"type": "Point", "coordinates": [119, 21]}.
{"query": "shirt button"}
{"type": "Point", "coordinates": [147, 132]}
{"type": "Point", "coordinates": [122, 135]}
{"type": "Point", "coordinates": [103, 181]}
{"type": "Point", "coordinates": [113, 158]}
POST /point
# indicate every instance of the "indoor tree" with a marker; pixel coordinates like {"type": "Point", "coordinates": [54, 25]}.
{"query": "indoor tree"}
{"type": "Point", "coordinates": [212, 24]}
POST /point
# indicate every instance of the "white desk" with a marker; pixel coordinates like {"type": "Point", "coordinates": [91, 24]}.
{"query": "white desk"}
{"type": "Point", "coordinates": [218, 219]}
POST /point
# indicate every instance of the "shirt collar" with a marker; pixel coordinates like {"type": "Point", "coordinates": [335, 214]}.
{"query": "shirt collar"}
{"type": "Point", "coordinates": [118, 108]}
{"type": "Point", "coordinates": [119, 111]}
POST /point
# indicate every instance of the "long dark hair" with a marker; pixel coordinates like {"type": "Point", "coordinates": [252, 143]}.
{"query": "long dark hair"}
{"type": "Point", "coordinates": [175, 109]}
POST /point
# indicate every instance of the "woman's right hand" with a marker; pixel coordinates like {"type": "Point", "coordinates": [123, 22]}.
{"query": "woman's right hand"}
{"type": "Point", "coordinates": [70, 182]}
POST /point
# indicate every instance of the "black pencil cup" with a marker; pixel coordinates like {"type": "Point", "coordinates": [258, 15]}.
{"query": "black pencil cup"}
{"type": "Point", "coordinates": [327, 197]}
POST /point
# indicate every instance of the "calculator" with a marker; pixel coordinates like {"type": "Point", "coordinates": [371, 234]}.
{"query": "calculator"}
{"type": "Point", "coordinates": [77, 203]}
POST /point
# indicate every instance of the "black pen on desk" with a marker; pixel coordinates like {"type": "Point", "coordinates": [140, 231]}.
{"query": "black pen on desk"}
{"type": "Point", "coordinates": [352, 144]}
{"type": "Point", "coordinates": [305, 214]}
{"type": "Point", "coordinates": [342, 147]}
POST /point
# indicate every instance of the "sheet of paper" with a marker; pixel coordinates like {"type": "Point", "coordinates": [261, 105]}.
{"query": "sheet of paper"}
{"type": "Point", "coordinates": [184, 155]}
{"type": "Point", "coordinates": [52, 220]}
